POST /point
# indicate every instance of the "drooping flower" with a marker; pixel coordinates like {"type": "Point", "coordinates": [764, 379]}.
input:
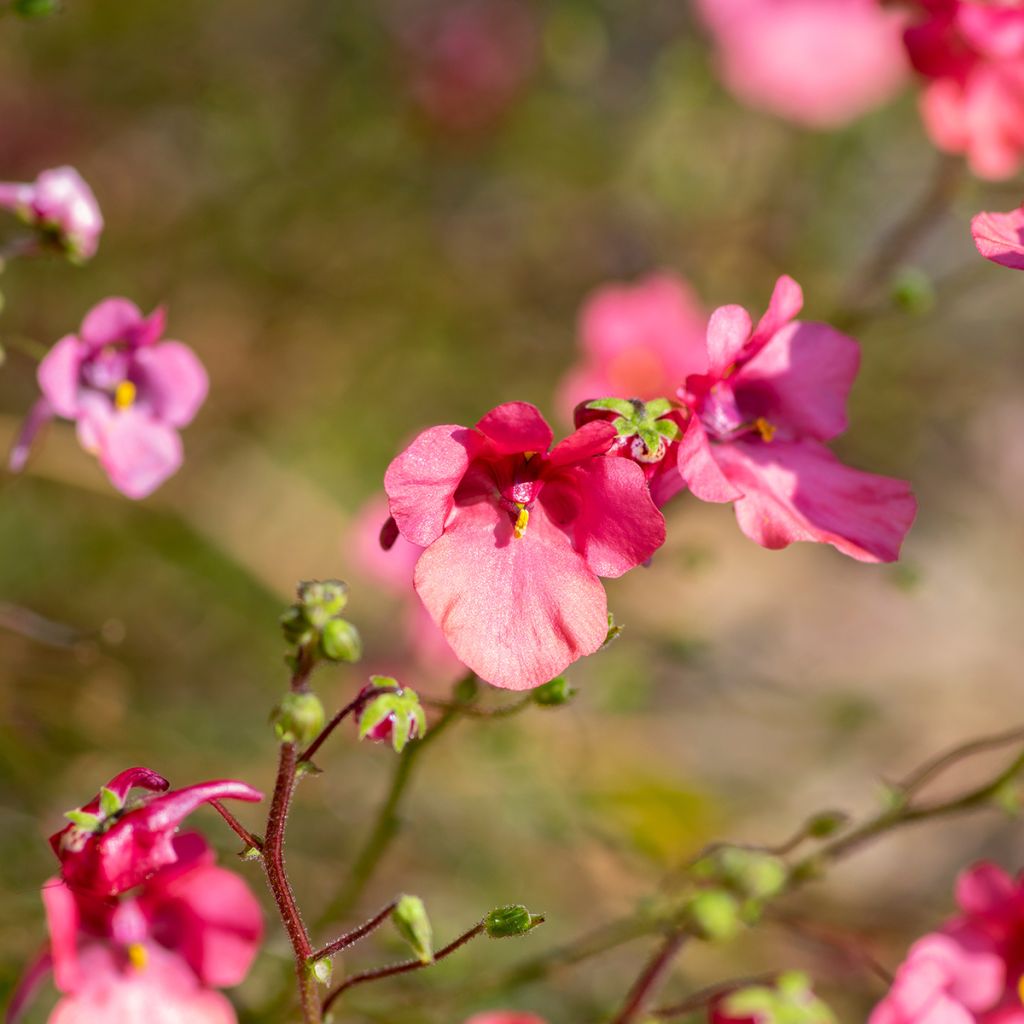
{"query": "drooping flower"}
{"type": "Point", "coordinates": [971, 971]}
{"type": "Point", "coordinates": [1000, 237]}
{"type": "Point", "coordinates": [516, 536]}
{"type": "Point", "coordinates": [127, 391]}
{"type": "Point", "coordinates": [972, 55]}
{"type": "Point", "coordinates": [114, 843]}
{"type": "Point", "coordinates": [153, 955]}
{"type": "Point", "coordinates": [638, 341]}
{"type": "Point", "coordinates": [60, 207]}
{"type": "Point", "coordinates": [771, 397]}
{"type": "Point", "coordinates": [820, 63]}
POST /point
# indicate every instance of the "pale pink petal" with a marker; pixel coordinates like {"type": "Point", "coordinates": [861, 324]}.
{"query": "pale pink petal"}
{"type": "Point", "coordinates": [516, 427]}
{"type": "Point", "coordinates": [698, 468]}
{"type": "Point", "coordinates": [594, 438]}
{"type": "Point", "coordinates": [944, 113]}
{"type": "Point", "coordinates": [800, 491]}
{"type": "Point", "coordinates": [421, 481]}
{"type": "Point", "coordinates": [728, 333]}
{"type": "Point", "coordinates": [112, 320]}
{"type": "Point", "coordinates": [974, 978]}
{"type": "Point", "coordinates": [515, 611]}
{"type": "Point", "coordinates": [800, 380]}
{"type": "Point", "coordinates": [1000, 237]}
{"type": "Point", "coordinates": [62, 920]}
{"type": "Point", "coordinates": [391, 568]}
{"type": "Point", "coordinates": [786, 302]}
{"type": "Point", "coordinates": [58, 375]}
{"type": "Point", "coordinates": [137, 452]}
{"type": "Point", "coordinates": [175, 382]}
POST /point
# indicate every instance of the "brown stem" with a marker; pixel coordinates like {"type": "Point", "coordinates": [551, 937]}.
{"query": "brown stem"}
{"type": "Point", "coordinates": [352, 937]}
{"type": "Point", "coordinates": [402, 968]}
{"type": "Point", "coordinates": [347, 710]}
{"type": "Point", "coordinates": [644, 986]}
{"type": "Point", "coordinates": [252, 841]}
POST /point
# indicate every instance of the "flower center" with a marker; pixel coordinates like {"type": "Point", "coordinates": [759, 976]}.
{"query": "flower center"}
{"type": "Point", "coordinates": [521, 521]}
{"type": "Point", "coordinates": [124, 395]}
{"type": "Point", "coordinates": [138, 956]}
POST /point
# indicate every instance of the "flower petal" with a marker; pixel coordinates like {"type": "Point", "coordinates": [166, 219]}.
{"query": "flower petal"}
{"type": "Point", "coordinates": [62, 920]}
{"type": "Point", "coordinates": [137, 452]}
{"type": "Point", "coordinates": [728, 333]}
{"type": "Point", "coordinates": [112, 320]}
{"type": "Point", "coordinates": [593, 438]}
{"type": "Point", "coordinates": [58, 375]}
{"type": "Point", "coordinates": [1000, 237]}
{"type": "Point", "coordinates": [515, 611]}
{"type": "Point", "coordinates": [985, 889]}
{"type": "Point", "coordinates": [516, 427]}
{"type": "Point", "coordinates": [175, 381]}
{"type": "Point", "coordinates": [786, 302]}
{"type": "Point", "coordinates": [698, 468]}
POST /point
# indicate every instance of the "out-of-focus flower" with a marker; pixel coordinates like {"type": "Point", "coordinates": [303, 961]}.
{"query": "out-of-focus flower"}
{"type": "Point", "coordinates": [973, 57]}
{"type": "Point", "coordinates": [61, 207]}
{"type": "Point", "coordinates": [467, 62]}
{"type": "Point", "coordinates": [154, 955]}
{"type": "Point", "coordinates": [638, 341]}
{"type": "Point", "coordinates": [820, 63]}
{"type": "Point", "coordinates": [114, 843]}
{"type": "Point", "coordinates": [971, 971]}
{"type": "Point", "coordinates": [790, 999]}
{"type": "Point", "coordinates": [127, 391]}
{"type": "Point", "coordinates": [516, 536]}
{"type": "Point", "coordinates": [505, 1017]}
{"type": "Point", "coordinates": [759, 419]}
{"type": "Point", "coordinates": [1000, 237]}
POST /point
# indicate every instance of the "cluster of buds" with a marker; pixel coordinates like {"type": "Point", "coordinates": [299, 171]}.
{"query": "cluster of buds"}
{"type": "Point", "coordinates": [314, 626]}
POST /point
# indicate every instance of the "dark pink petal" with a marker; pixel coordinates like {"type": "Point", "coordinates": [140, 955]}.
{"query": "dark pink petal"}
{"type": "Point", "coordinates": [516, 427]}
{"type": "Point", "coordinates": [168, 811]}
{"type": "Point", "coordinates": [786, 302]}
{"type": "Point", "coordinates": [421, 481]}
{"type": "Point", "coordinates": [111, 321]}
{"type": "Point", "coordinates": [698, 468]}
{"type": "Point", "coordinates": [38, 416]}
{"type": "Point", "coordinates": [800, 380]}
{"type": "Point", "coordinates": [137, 452]}
{"type": "Point", "coordinates": [63, 922]}
{"type": "Point", "coordinates": [618, 526]}
{"type": "Point", "coordinates": [175, 382]}
{"type": "Point", "coordinates": [728, 334]}
{"type": "Point", "coordinates": [593, 438]}
{"type": "Point", "coordinates": [58, 375]}
{"type": "Point", "coordinates": [986, 889]}
{"type": "Point", "coordinates": [1000, 237]}
{"type": "Point", "coordinates": [505, 1017]}
{"type": "Point", "coordinates": [801, 491]}
{"type": "Point", "coordinates": [515, 611]}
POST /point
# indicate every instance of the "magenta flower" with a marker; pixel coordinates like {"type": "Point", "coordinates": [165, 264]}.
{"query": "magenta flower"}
{"type": "Point", "coordinates": [516, 537]}
{"type": "Point", "coordinates": [820, 63]}
{"type": "Point", "coordinates": [505, 1017]}
{"type": "Point", "coordinates": [760, 416]}
{"type": "Point", "coordinates": [114, 844]}
{"type": "Point", "coordinates": [127, 392]}
{"type": "Point", "coordinates": [638, 341]}
{"type": "Point", "coordinates": [971, 971]}
{"type": "Point", "coordinates": [1000, 237]}
{"type": "Point", "coordinates": [190, 928]}
{"type": "Point", "coordinates": [61, 207]}
{"type": "Point", "coordinates": [972, 55]}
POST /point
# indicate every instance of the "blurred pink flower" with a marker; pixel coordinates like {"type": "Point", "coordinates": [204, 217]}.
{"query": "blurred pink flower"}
{"type": "Point", "coordinates": [61, 206]}
{"type": "Point", "coordinates": [973, 56]}
{"type": "Point", "coordinates": [127, 391]}
{"type": "Point", "coordinates": [638, 341]}
{"type": "Point", "coordinates": [114, 844]}
{"type": "Point", "coordinates": [772, 395]}
{"type": "Point", "coordinates": [970, 972]}
{"type": "Point", "coordinates": [505, 1017]}
{"type": "Point", "coordinates": [467, 62]}
{"type": "Point", "coordinates": [1000, 237]}
{"type": "Point", "coordinates": [516, 537]}
{"type": "Point", "coordinates": [820, 63]}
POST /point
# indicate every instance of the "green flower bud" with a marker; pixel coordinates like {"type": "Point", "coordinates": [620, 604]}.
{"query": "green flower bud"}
{"type": "Point", "coordinates": [321, 970]}
{"type": "Point", "coordinates": [294, 625]}
{"type": "Point", "coordinates": [410, 918]}
{"type": "Point", "coordinates": [614, 631]}
{"type": "Point", "coordinates": [715, 915]}
{"type": "Point", "coordinates": [298, 717]}
{"type": "Point", "coordinates": [913, 290]}
{"type": "Point", "coordinates": [755, 874]}
{"type": "Point", "coordinates": [323, 601]}
{"type": "Point", "coordinates": [826, 824]}
{"type": "Point", "coordinates": [515, 919]}
{"type": "Point", "coordinates": [340, 641]}
{"type": "Point", "coordinates": [554, 693]}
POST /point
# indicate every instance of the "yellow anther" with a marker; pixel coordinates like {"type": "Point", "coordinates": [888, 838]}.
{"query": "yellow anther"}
{"type": "Point", "coordinates": [138, 956]}
{"type": "Point", "coordinates": [764, 428]}
{"type": "Point", "coordinates": [124, 395]}
{"type": "Point", "coordinates": [528, 455]}
{"type": "Point", "coordinates": [1020, 988]}
{"type": "Point", "coordinates": [521, 522]}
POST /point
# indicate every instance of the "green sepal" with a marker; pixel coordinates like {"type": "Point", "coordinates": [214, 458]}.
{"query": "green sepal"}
{"type": "Point", "coordinates": [84, 820]}
{"type": "Point", "coordinates": [621, 406]}
{"type": "Point", "coordinates": [110, 802]}
{"type": "Point", "coordinates": [410, 919]}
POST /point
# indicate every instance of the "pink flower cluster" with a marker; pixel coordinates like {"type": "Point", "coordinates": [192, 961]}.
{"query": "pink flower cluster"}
{"type": "Point", "coordinates": [971, 971]}
{"type": "Point", "coordinates": [141, 919]}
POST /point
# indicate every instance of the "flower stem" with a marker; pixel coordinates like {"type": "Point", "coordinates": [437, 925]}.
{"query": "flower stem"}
{"type": "Point", "coordinates": [352, 937]}
{"type": "Point", "coordinates": [651, 976]}
{"type": "Point", "coordinates": [251, 841]}
{"type": "Point", "coordinates": [347, 710]}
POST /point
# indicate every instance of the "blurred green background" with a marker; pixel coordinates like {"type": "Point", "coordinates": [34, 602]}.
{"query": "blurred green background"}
{"type": "Point", "coordinates": [350, 271]}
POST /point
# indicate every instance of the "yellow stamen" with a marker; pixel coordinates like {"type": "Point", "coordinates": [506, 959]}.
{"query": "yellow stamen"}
{"type": "Point", "coordinates": [1020, 988]}
{"type": "Point", "coordinates": [124, 395]}
{"type": "Point", "coordinates": [764, 428]}
{"type": "Point", "coordinates": [138, 956]}
{"type": "Point", "coordinates": [524, 518]}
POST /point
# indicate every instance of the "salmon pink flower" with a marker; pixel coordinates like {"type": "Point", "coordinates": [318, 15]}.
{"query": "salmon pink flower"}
{"type": "Point", "coordinates": [60, 206]}
{"type": "Point", "coordinates": [516, 536]}
{"type": "Point", "coordinates": [127, 392]}
{"type": "Point", "coordinates": [1000, 237]}
{"type": "Point", "coordinates": [972, 55]}
{"type": "Point", "coordinates": [505, 1017]}
{"type": "Point", "coordinates": [772, 395]}
{"type": "Point", "coordinates": [114, 843]}
{"type": "Point", "coordinates": [820, 63]}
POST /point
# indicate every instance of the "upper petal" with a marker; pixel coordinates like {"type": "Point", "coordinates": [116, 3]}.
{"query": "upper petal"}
{"type": "Point", "coordinates": [58, 375]}
{"type": "Point", "coordinates": [110, 321]}
{"type": "Point", "coordinates": [515, 611]}
{"type": "Point", "coordinates": [786, 302]}
{"type": "Point", "coordinates": [801, 491]}
{"type": "Point", "coordinates": [174, 381]}
{"type": "Point", "coordinates": [593, 438]}
{"type": "Point", "coordinates": [728, 333]}
{"type": "Point", "coordinates": [421, 481]}
{"type": "Point", "coordinates": [1000, 237]}
{"type": "Point", "coordinates": [516, 427]}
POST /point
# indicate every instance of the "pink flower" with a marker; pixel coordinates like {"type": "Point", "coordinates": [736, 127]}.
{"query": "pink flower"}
{"type": "Point", "coordinates": [127, 391]}
{"type": "Point", "coordinates": [973, 57]}
{"type": "Point", "coordinates": [516, 537]}
{"type": "Point", "coordinates": [505, 1017]}
{"type": "Point", "coordinates": [638, 341]}
{"type": "Point", "coordinates": [772, 395]}
{"type": "Point", "coordinates": [61, 206]}
{"type": "Point", "coordinates": [114, 844]}
{"type": "Point", "coordinates": [970, 972]}
{"type": "Point", "coordinates": [820, 63]}
{"type": "Point", "coordinates": [1000, 237]}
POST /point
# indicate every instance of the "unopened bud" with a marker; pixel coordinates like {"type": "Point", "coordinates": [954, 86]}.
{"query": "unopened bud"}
{"type": "Point", "coordinates": [394, 717]}
{"type": "Point", "coordinates": [340, 641]}
{"type": "Point", "coordinates": [505, 922]}
{"type": "Point", "coordinates": [410, 918]}
{"type": "Point", "coordinates": [715, 915]}
{"type": "Point", "coordinates": [826, 824]}
{"type": "Point", "coordinates": [755, 874]}
{"type": "Point", "coordinates": [298, 717]}
{"type": "Point", "coordinates": [321, 970]}
{"type": "Point", "coordinates": [323, 600]}
{"type": "Point", "coordinates": [554, 693]}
